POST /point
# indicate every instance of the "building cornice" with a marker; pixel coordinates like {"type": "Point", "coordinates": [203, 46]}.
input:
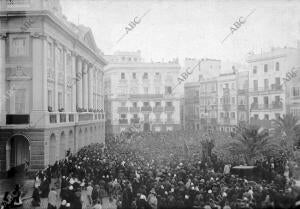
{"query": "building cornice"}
{"type": "Point", "coordinates": [64, 27]}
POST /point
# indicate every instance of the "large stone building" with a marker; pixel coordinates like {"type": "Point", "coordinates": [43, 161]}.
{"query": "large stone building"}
{"type": "Point", "coordinates": [268, 90]}
{"type": "Point", "coordinates": [141, 94]}
{"type": "Point", "coordinates": [51, 76]}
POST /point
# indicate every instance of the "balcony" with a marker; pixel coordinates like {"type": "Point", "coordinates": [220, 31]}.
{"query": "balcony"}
{"type": "Point", "coordinates": [146, 96]}
{"type": "Point", "coordinates": [226, 120]}
{"type": "Point", "coordinates": [123, 121]}
{"type": "Point", "coordinates": [226, 107]}
{"type": "Point", "coordinates": [146, 109]}
{"type": "Point", "coordinates": [277, 105]}
{"type": "Point", "coordinates": [134, 109]}
{"type": "Point", "coordinates": [274, 88]}
{"type": "Point", "coordinates": [261, 123]}
{"type": "Point", "coordinates": [226, 91]}
{"type": "Point", "coordinates": [134, 120]}
{"type": "Point", "coordinates": [52, 118]}
{"type": "Point", "coordinates": [169, 108]}
{"type": "Point", "coordinates": [86, 116]}
{"type": "Point", "coordinates": [242, 91]}
{"type": "Point", "coordinates": [122, 109]}
{"type": "Point", "coordinates": [242, 107]}
{"type": "Point", "coordinates": [71, 117]}
{"type": "Point", "coordinates": [62, 117]}
{"type": "Point", "coordinates": [17, 119]}
{"type": "Point", "coordinates": [158, 109]}
{"type": "Point", "coordinates": [273, 106]}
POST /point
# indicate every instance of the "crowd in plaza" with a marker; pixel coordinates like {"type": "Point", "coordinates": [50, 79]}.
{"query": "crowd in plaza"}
{"type": "Point", "coordinates": [159, 171]}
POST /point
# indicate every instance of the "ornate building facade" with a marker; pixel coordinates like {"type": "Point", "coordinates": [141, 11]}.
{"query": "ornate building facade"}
{"type": "Point", "coordinates": [141, 95]}
{"type": "Point", "coordinates": [51, 83]}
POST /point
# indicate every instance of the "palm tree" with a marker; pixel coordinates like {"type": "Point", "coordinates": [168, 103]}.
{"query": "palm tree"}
{"type": "Point", "coordinates": [287, 130]}
{"type": "Point", "coordinates": [249, 142]}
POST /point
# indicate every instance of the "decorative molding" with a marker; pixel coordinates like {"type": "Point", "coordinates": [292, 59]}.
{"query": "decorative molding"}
{"type": "Point", "coordinates": [19, 74]}
{"type": "Point", "coordinates": [38, 35]}
{"type": "Point", "coordinates": [3, 35]}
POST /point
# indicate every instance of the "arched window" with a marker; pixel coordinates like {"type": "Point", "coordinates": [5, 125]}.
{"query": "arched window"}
{"type": "Point", "coordinates": [277, 66]}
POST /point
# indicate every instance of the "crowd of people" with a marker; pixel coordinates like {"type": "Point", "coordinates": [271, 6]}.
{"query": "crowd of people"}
{"type": "Point", "coordinates": [159, 171]}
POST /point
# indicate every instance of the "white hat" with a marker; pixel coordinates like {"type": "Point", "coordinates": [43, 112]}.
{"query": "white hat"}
{"type": "Point", "coordinates": [64, 202]}
{"type": "Point", "coordinates": [209, 191]}
{"type": "Point", "coordinates": [186, 196]}
{"type": "Point", "coordinates": [68, 205]}
{"type": "Point", "coordinates": [70, 187]}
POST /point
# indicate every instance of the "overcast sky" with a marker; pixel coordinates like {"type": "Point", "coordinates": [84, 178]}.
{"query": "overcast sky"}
{"type": "Point", "coordinates": [188, 28]}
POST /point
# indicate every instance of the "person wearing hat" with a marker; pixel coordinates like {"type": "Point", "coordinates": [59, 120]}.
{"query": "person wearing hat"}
{"type": "Point", "coordinates": [63, 204]}
{"type": "Point", "coordinates": [152, 200]}
{"type": "Point", "coordinates": [52, 199]}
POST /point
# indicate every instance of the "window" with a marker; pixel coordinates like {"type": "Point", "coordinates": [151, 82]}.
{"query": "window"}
{"type": "Point", "coordinates": [157, 74]}
{"type": "Point", "coordinates": [60, 100]}
{"type": "Point", "coordinates": [266, 117]}
{"type": "Point", "coordinates": [168, 90]}
{"type": "Point", "coordinates": [232, 115]}
{"type": "Point", "coordinates": [277, 115]}
{"type": "Point", "coordinates": [277, 81]}
{"type": "Point", "coordinates": [157, 116]}
{"type": "Point", "coordinates": [50, 103]}
{"type": "Point", "coordinates": [19, 47]}
{"type": "Point", "coordinates": [296, 91]}
{"type": "Point", "coordinates": [255, 100]}
{"type": "Point", "coordinates": [157, 90]}
{"type": "Point", "coordinates": [145, 90]}
{"type": "Point", "coordinates": [129, 59]}
{"type": "Point", "coordinates": [265, 68]}
{"type": "Point", "coordinates": [277, 99]}
{"type": "Point", "coordinates": [145, 76]}
{"type": "Point", "coordinates": [123, 104]}
{"type": "Point", "coordinates": [134, 104]}
{"type": "Point", "coordinates": [146, 104]}
{"type": "Point", "coordinates": [266, 84]}
{"type": "Point", "coordinates": [19, 101]}
{"type": "Point", "coordinates": [122, 75]}
{"type": "Point", "coordinates": [49, 55]}
{"type": "Point", "coordinates": [169, 104]}
{"type": "Point", "coordinates": [135, 115]}
{"type": "Point", "coordinates": [134, 75]}
{"type": "Point", "coordinates": [255, 85]}
{"type": "Point", "coordinates": [157, 104]}
{"type": "Point", "coordinates": [256, 116]}
{"type": "Point", "coordinates": [221, 115]}
{"type": "Point", "coordinates": [266, 101]}
{"type": "Point", "coordinates": [233, 100]}
{"type": "Point", "coordinates": [169, 116]}
{"type": "Point", "coordinates": [232, 86]}
{"type": "Point", "coordinates": [123, 116]}
{"type": "Point", "coordinates": [254, 69]}
{"type": "Point", "coordinates": [221, 100]}
{"type": "Point", "coordinates": [277, 66]}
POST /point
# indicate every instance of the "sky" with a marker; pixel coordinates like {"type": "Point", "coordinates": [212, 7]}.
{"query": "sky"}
{"type": "Point", "coordinates": [188, 28]}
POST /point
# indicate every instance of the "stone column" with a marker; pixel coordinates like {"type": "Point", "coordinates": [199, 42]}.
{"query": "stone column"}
{"type": "Point", "coordinates": [66, 102]}
{"type": "Point", "coordinates": [79, 82]}
{"type": "Point", "coordinates": [73, 81]}
{"type": "Point", "coordinates": [90, 86]}
{"type": "Point", "coordinates": [39, 81]}
{"type": "Point", "coordinates": [2, 79]}
{"type": "Point", "coordinates": [56, 72]}
{"type": "Point", "coordinates": [85, 85]}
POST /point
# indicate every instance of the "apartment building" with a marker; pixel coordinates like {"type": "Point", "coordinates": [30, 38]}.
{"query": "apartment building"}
{"type": "Point", "coordinates": [227, 101]}
{"type": "Point", "coordinates": [140, 95]}
{"type": "Point", "coordinates": [268, 90]}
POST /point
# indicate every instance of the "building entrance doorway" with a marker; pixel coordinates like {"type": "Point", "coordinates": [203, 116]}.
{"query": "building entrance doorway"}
{"type": "Point", "coordinates": [17, 152]}
{"type": "Point", "coordinates": [146, 127]}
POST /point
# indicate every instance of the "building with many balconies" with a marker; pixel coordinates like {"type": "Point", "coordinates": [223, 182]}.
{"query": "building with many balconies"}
{"type": "Point", "coordinates": [267, 86]}
{"type": "Point", "coordinates": [140, 94]}
{"type": "Point", "coordinates": [227, 100]}
{"type": "Point", "coordinates": [51, 76]}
